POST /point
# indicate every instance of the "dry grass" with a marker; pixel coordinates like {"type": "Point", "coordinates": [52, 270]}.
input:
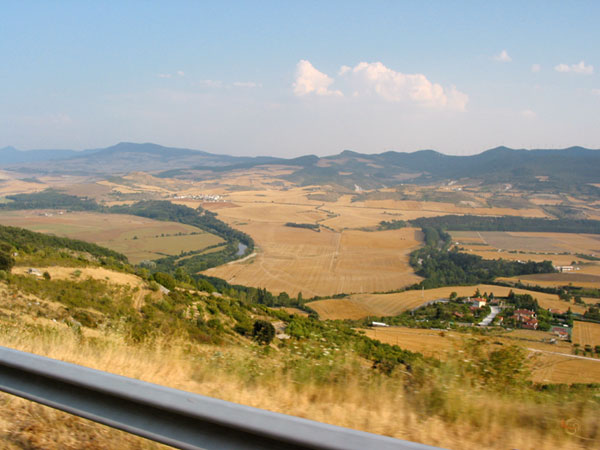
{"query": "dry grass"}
{"type": "Point", "coordinates": [380, 407]}
{"type": "Point", "coordinates": [97, 273]}
{"type": "Point", "coordinates": [324, 263]}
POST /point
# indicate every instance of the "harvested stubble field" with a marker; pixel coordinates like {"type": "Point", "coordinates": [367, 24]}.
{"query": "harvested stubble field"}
{"type": "Point", "coordinates": [556, 368]}
{"type": "Point", "coordinates": [358, 306]}
{"type": "Point", "coordinates": [137, 238]}
{"type": "Point", "coordinates": [323, 263]}
{"type": "Point", "coordinates": [558, 279]}
{"type": "Point", "coordinates": [531, 242]}
{"type": "Point", "coordinates": [428, 342]}
{"type": "Point", "coordinates": [586, 333]}
{"type": "Point", "coordinates": [10, 186]}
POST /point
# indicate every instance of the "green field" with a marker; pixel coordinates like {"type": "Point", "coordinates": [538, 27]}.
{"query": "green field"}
{"type": "Point", "coordinates": [136, 237]}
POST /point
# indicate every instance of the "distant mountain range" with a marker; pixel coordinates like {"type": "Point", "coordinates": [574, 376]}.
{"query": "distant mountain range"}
{"type": "Point", "coordinates": [571, 165]}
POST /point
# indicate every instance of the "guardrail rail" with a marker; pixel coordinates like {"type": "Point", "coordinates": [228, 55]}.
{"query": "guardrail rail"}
{"type": "Point", "coordinates": [170, 416]}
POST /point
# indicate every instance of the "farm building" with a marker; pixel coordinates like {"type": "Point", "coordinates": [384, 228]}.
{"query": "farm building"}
{"type": "Point", "coordinates": [479, 302]}
{"type": "Point", "coordinates": [561, 332]}
{"type": "Point", "coordinates": [565, 268]}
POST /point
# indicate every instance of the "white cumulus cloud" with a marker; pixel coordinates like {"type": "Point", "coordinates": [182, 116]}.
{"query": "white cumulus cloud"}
{"type": "Point", "coordinates": [503, 57]}
{"type": "Point", "coordinates": [536, 68]}
{"type": "Point", "coordinates": [310, 81]}
{"type": "Point", "coordinates": [580, 68]}
{"type": "Point", "coordinates": [377, 79]}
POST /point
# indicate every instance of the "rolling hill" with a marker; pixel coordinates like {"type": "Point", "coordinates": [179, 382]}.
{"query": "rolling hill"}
{"type": "Point", "coordinates": [573, 165]}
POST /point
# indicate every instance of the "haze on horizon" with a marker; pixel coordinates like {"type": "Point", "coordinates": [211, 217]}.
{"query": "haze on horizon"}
{"type": "Point", "coordinates": [293, 79]}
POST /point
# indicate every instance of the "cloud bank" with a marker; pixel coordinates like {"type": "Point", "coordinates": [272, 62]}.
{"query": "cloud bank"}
{"type": "Point", "coordinates": [377, 80]}
{"type": "Point", "coordinates": [580, 68]}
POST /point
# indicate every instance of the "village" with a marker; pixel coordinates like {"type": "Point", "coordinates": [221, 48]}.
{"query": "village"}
{"type": "Point", "coordinates": [516, 311]}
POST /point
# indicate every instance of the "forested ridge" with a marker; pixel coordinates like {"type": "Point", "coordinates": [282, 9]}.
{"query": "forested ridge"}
{"type": "Point", "coordinates": [508, 223]}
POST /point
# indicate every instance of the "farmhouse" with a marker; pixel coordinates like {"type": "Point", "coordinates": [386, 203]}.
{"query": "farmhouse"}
{"type": "Point", "coordinates": [561, 332]}
{"type": "Point", "coordinates": [522, 315]}
{"type": "Point", "coordinates": [526, 318]}
{"type": "Point", "coordinates": [565, 268]}
{"type": "Point", "coordinates": [530, 324]}
{"type": "Point", "coordinates": [478, 302]}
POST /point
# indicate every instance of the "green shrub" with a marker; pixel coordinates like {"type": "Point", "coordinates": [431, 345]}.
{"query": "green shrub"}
{"type": "Point", "coordinates": [263, 332]}
{"type": "Point", "coordinates": [6, 261]}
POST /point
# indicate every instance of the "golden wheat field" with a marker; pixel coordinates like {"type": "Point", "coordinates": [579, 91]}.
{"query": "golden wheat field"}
{"type": "Point", "coordinates": [11, 186]}
{"type": "Point", "coordinates": [557, 368]}
{"type": "Point", "coordinates": [363, 305]}
{"type": "Point", "coordinates": [558, 279]}
{"type": "Point", "coordinates": [586, 333]}
{"type": "Point", "coordinates": [438, 344]}
{"type": "Point", "coordinates": [525, 246]}
{"type": "Point", "coordinates": [323, 263]}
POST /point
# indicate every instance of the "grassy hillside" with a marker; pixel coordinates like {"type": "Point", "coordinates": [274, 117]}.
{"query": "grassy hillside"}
{"type": "Point", "coordinates": [204, 342]}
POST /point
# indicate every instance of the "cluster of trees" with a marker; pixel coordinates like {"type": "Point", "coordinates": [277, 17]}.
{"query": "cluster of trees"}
{"type": "Point", "coordinates": [49, 199]}
{"type": "Point", "coordinates": [442, 266]}
{"type": "Point", "coordinates": [309, 226]}
{"type": "Point", "coordinates": [438, 315]}
{"type": "Point", "coordinates": [508, 223]}
{"type": "Point", "coordinates": [392, 224]}
{"type": "Point", "coordinates": [593, 313]}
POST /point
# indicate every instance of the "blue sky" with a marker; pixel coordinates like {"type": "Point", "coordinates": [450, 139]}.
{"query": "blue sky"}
{"type": "Point", "coordinates": [292, 78]}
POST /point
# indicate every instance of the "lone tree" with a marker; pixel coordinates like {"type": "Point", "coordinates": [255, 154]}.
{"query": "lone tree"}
{"type": "Point", "coordinates": [6, 261]}
{"type": "Point", "coordinates": [263, 332]}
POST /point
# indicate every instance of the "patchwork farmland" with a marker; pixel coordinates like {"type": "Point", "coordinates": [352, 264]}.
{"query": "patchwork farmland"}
{"type": "Point", "coordinates": [138, 238]}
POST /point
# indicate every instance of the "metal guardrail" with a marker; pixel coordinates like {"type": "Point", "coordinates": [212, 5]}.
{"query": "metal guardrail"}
{"type": "Point", "coordinates": [170, 416]}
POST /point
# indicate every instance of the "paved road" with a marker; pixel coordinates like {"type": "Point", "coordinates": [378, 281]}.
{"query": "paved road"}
{"type": "Point", "coordinates": [564, 354]}
{"type": "Point", "coordinates": [488, 319]}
